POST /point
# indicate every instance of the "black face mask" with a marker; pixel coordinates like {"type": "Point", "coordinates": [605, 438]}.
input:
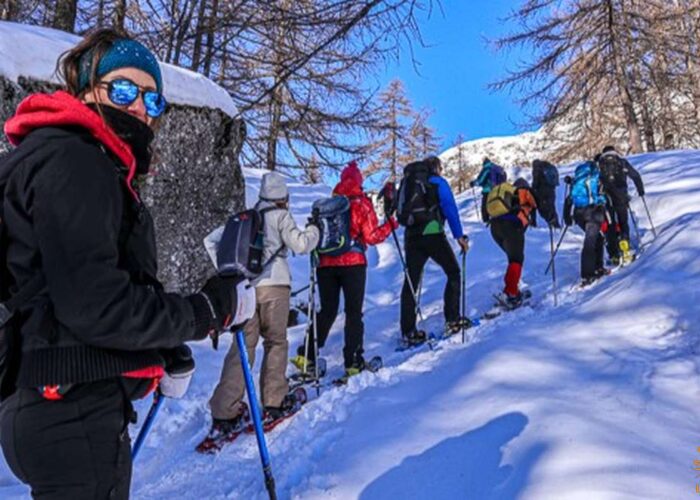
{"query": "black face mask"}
{"type": "Point", "coordinates": [131, 130]}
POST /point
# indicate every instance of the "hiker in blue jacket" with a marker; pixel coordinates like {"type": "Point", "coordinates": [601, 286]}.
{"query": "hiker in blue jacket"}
{"type": "Point", "coordinates": [490, 176]}
{"type": "Point", "coordinates": [425, 239]}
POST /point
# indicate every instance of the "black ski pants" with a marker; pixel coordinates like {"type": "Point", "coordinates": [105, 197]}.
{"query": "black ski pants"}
{"type": "Point", "coordinates": [590, 219]}
{"type": "Point", "coordinates": [619, 228]}
{"type": "Point", "coordinates": [418, 250]}
{"type": "Point", "coordinates": [350, 280]}
{"type": "Point", "coordinates": [510, 236]}
{"type": "Point", "coordinates": [72, 449]}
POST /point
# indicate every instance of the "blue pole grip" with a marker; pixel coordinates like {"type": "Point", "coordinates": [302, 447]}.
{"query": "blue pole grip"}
{"type": "Point", "coordinates": [253, 401]}
{"type": "Point", "coordinates": [147, 424]}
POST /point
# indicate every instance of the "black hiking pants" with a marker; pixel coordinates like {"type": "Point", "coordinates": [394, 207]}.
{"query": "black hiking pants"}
{"type": "Point", "coordinates": [510, 236]}
{"type": "Point", "coordinates": [350, 280]}
{"type": "Point", "coordinates": [619, 227]}
{"type": "Point", "coordinates": [591, 219]}
{"type": "Point", "coordinates": [418, 250]}
{"type": "Point", "coordinates": [73, 449]}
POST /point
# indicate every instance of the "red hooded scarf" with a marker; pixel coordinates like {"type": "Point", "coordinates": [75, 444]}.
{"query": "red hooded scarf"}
{"type": "Point", "coordinates": [62, 109]}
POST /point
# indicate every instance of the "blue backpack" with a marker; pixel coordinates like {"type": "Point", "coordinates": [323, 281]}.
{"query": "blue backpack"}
{"type": "Point", "coordinates": [585, 190]}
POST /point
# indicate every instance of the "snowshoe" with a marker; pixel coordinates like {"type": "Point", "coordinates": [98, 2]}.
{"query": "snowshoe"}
{"type": "Point", "coordinates": [508, 303]}
{"type": "Point", "coordinates": [273, 416]}
{"type": "Point", "coordinates": [413, 339]}
{"type": "Point", "coordinates": [223, 432]}
{"type": "Point", "coordinates": [455, 327]}
{"type": "Point", "coordinates": [373, 365]}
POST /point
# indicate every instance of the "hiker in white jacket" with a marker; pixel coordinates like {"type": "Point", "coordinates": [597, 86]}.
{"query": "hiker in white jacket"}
{"type": "Point", "coordinates": [272, 290]}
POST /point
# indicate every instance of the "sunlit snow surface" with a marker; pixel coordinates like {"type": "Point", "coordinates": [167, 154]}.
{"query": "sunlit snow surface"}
{"type": "Point", "coordinates": [594, 399]}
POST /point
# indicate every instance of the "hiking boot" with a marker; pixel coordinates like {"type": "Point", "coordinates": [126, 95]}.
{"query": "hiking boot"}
{"type": "Point", "coordinates": [223, 428]}
{"type": "Point", "coordinates": [453, 327]}
{"type": "Point", "coordinates": [272, 413]}
{"type": "Point", "coordinates": [304, 365]}
{"type": "Point", "coordinates": [415, 337]}
{"type": "Point", "coordinates": [600, 272]}
{"type": "Point", "coordinates": [626, 253]}
{"type": "Point", "coordinates": [588, 281]}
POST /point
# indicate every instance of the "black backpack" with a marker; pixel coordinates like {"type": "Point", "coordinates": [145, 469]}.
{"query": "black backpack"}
{"type": "Point", "coordinates": [418, 201]}
{"type": "Point", "coordinates": [612, 171]}
{"type": "Point", "coordinates": [550, 174]}
{"type": "Point", "coordinates": [241, 247]}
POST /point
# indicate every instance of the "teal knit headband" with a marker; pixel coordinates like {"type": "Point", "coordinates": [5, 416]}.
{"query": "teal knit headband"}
{"type": "Point", "coordinates": [123, 53]}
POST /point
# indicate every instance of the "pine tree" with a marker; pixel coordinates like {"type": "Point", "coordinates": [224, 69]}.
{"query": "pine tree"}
{"type": "Point", "coordinates": [422, 137]}
{"type": "Point", "coordinates": [392, 147]}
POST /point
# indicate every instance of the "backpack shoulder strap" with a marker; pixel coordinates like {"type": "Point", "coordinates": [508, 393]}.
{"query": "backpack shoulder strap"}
{"type": "Point", "coordinates": [277, 252]}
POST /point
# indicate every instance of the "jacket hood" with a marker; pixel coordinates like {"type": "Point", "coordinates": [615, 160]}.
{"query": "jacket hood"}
{"type": "Point", "coordinates": [273, 187]}
{"type": "Point", "coordinates": [350, 181]}
{"type": "Point", "coordinates": [61, 109]}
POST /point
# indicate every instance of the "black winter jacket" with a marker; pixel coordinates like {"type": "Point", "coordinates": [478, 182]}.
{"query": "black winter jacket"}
{"type": "Point", "coordinates": [70, 216]}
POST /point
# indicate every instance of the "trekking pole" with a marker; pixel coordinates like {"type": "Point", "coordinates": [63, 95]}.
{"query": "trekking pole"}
{"type": "Point", "coordinates": [651, 222]}
{"type": "Point", "coordinates": [554, 254]}
{"type": "Point", "coordinates": [476, 210]}
{"type": "Point", "coordinates": [567, 181]}
{"type": "Point", "coordinates": [311, 331]}
{"type": "Point", "coordinates": [257, 420]}
{"type": "Point", "coordinates": [158, 399]}
{"type": "Point", "coordinates": [464, 289]}
{"type": "Point", "coordinates": [314, 325]}
{"type": "Point", "coordinates": [297, 292]}
{"type": "Point", "coordinates": [554, 271]}
{"type": "Point", "coordinates": [416, 300]}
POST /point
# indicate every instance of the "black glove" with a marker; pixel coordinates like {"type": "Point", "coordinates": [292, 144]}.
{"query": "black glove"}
{"type": "Point", "coordinates": [568, 179]}
{"type": "Point", "coordinates": [641, 192]}
{"type": "Point", "coordinates": [224, 302]}
{"type": "Point", "coordinates": [472, 184]}
{"type": "Point", "coordinates": [567, 220]}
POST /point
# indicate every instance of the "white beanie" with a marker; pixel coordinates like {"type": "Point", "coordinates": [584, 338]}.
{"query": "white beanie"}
{"type": "Point", "coordinates": [273, 187]}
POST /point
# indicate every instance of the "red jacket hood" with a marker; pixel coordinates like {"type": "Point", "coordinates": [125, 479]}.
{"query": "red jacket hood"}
{"type": "Point", "coordinates": [350, 181]}
{"type": "Point", "coordinates": [62, 109]}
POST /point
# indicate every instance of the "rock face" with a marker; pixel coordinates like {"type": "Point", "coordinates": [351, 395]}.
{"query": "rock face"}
{"type": "Point", "coordinates": [196, 182]}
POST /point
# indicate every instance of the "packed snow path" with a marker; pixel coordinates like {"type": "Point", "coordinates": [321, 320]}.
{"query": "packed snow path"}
{"type": "Point", "coordinates": [593, 399]}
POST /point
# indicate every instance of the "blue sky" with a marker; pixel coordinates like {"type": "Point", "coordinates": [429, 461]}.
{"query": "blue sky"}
{"type": "Point", "coordinates": [456, 67]}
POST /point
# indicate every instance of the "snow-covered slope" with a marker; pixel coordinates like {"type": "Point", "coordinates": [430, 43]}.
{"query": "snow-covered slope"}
{"type": "Point", "coordinates": [32, 51]}
{"type": "Point", "coordinates": [592, 399]}
{"type": "Point", "coordinates": [507, 150]}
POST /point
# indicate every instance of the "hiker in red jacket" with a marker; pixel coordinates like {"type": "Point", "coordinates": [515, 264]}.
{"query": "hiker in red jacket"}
{"type": "Point", "coordinates": [348, 272]}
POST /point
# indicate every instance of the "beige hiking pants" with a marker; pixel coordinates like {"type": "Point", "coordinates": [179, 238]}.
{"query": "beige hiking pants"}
{"type": "Point", "coordinates": [270, 323]}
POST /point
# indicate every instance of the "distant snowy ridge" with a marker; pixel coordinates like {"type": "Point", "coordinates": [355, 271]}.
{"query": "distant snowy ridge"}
{"type": "Point", "coordinates": [32, 51]}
